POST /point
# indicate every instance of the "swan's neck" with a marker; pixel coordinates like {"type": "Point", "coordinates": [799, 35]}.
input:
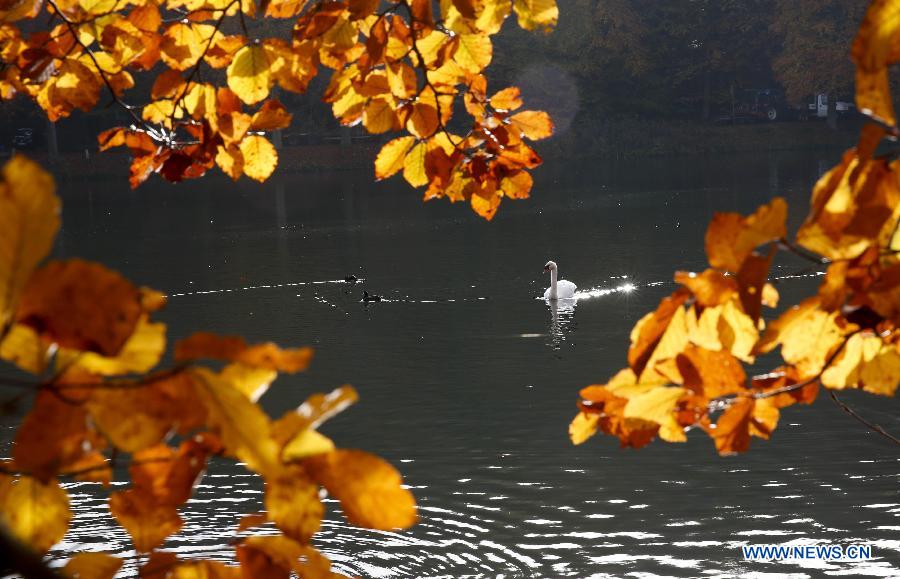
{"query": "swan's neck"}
{"type": "Point", "coordinates": [553, 283]}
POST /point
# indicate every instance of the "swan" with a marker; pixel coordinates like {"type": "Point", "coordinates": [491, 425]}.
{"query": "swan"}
{"type": "Point", "coordinates": [561, 290]}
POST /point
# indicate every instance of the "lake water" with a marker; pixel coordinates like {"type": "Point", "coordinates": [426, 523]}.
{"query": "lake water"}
{"type": "Point", "coordinates": [468, 381]}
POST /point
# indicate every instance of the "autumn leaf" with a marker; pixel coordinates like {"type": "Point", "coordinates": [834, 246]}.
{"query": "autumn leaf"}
{"type": "Point", "coordinates": [710, 288]}
{"type": "Point", "coordinates": [242, 425]}
{"type": "Point", "coordinates": [259, 156]}
{"type": "Point", "coordinates": [23, 347]}
{"type": "Point", "coordinates": [29, 220]}
{"type": "Point", "coordinates": [271, 116]}
{"type": "Point", "coordinates": [711, 373]}
{"type": "Point", "coordinates": [535, 125]}
{"type": "Point", "coordinates": [370, 490]}
{"type": "Point", "coordinates": [865, 362]}
{"type": "Point", "coordinates": [392, 157]}
{"type": "Point", "coordinates": [148, 522]}
{"type": "Point", "coordinates": [732, 431]}
{"type": "Point", "coordinates": [583, 427]}
{"type": "Point", "coordinates": [53, 434]}
{"type": "Point", "coordinates": [657, 405]}
{"type": "Point", "coordinates": [141, 352]}
{"type": "Point", "coordinates": [36, 513]}
{"type": "Point", "coordinates": [150, 416]}
{"type": "Point", "coordinates": [92, 566]}
{"type": "Point", "coordinates": [536, 14]}
{"type": "Point", "coordinates": [313, 412]}
{"type": "Point", "coordinates": [730, 237]}
{"type": "Point", "coordinates": [167, 474]}
{"type": "Point", "coordinates": [81, 305]}
{"type": "Point", "coordinates": [235, 349]}
{"type": "Point", "coordinates": [292, 503]}
{"type": "Point", "coordinates": [249, 74]}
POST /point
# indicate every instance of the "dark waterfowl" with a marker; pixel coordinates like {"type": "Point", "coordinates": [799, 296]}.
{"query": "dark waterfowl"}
{"type": "Point", "coordinates": [367, 297]}
{"type": "Point", "coordinates": [351, 279]}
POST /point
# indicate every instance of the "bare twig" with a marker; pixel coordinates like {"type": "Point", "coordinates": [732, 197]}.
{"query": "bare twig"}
{"type": "Point", "coordinates": [871, 425]}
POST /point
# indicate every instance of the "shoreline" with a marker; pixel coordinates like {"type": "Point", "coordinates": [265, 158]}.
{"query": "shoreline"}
{"type": "Point", "coordinates": [612, 140]}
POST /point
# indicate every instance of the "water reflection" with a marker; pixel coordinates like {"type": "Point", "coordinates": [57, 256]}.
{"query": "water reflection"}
{"type": "Point", "coordinates": [562, 321]}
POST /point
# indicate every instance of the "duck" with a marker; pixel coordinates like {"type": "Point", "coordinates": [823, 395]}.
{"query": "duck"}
{"type": "Point", "coordinates": [558, 290]}
{"type": "Point", "coordinates": [367, 297]}
{"type": "Point", "coordinates": [351, 279]}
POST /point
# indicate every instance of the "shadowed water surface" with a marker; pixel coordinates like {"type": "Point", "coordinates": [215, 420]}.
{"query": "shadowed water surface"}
{"type": "Point", "coordinates": [468, 381]}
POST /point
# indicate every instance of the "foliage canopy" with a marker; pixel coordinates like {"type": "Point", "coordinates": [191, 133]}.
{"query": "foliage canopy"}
{"type": "Point", "coordinates": [215, 63]}
{"type": "Point", "coordinates": [87, 335]}
{"type": "Point", "coordinates": [685, 362]}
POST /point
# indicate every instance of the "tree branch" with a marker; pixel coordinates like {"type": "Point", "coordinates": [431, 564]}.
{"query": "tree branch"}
{"type": "Point", "coordinates": [870, 425]}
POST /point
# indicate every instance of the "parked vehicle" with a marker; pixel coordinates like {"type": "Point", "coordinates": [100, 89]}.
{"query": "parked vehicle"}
{"type": "Point", "coordinates": [817, 107]}
{"type": "Point", "coordinates": [758, 105]}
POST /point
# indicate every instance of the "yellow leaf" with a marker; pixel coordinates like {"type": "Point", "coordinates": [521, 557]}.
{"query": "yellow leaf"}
{"type": "Point", "coordinates": [414, 165]}
{"type": "Point", "coordinates": [583, 426]}
{"type": "Point", "coordinates": [35, 513]}
{"type": "Point", "coordinates": [24, 348]}
{"type": "Point", "coordinates": [508, 99]}
{"type": "Point", "coordinates": [292, 503]}
{"type": "Point", "coordinates": [867, 363]}
{"type": "Point", "coordinates": [141, 352]}
{"type": "Point", "coordinates": [29, 220]}
{"type": "Point", "coordinates": [536, 14]}
{"type": "Point", "coordinates": [807, 335]}
{"type": "Point", "coordinates": [533, 124]}
{"type": "Point", "coordinates": [230, 160]}
{"type": "Point", "coordinates": [370, 490]}
{"type": "Point", "coordinates": [379, 116]}
{"type": "Point", "coordinates": [242, 425]}
{"type": "Point", "coordinates": [249, 74]}
{"type": "Point", "coordinates": [487, 208]}
{"type": "Point", "coordinates": [183, 44]}
{"type": "Point", "coordinates": [314, 411]}
{"type": "Point", "coordinates": [657, 405]}
{"type": "Point", "coordinates": [737, 332]}
{"type": "Point", "coordinates": [235, 349]}
{"type": "Point", "coordinates": [92, 566]}
{"type": "Point", "coordinates": [260, 157]}
{"type": "Point", "coordinates": [672, 341]}
{"type": "Point", "coordinates": [250, 381]}
{"type": "Point", "coordinates": [474, 52]}
{"type": "Point", "coordinates": [392, 156]}
{"type": "Point", "coordinates": [307, 443]}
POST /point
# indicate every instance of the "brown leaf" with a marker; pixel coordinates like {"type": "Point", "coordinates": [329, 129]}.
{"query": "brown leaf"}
{"type": "Point", "coordinates": [271, 116]}
{"type": "Point", "coordinates": [168, 475]}
{"type": "Point", "coordinates": [732, 431]}
{"type": "Point", "coordinates": [292, 503]}
{"type": "Point", "coordinates": [53, 434]}
{"type": "Point", "coordinates": [751, 279]}
{"type": "Point", "coordinates": [647, 333]}
{"type": "Point", "coordinates": [81, 305]}
{"type": "Point", "coordinates": [235, 349]}
{"type": "Point", "coordinates": [147, 522]}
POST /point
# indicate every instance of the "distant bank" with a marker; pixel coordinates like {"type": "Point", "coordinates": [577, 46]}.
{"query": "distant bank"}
{"type": "Point", "coordinates": [626, 138]}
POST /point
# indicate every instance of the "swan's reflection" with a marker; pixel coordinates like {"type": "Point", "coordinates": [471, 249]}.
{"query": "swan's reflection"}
{"type": "Point", "coordinates": [562, 321]}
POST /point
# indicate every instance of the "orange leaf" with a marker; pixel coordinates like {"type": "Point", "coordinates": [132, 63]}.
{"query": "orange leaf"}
{"type": "Point", "coordinates": [370, 489]}
{"type": "Point", "coordinates": [168, 475]}
{"type": "Point", "coordinates": [732, 431]}
{"type": "Point", "coordinates": [292, 503]}
{"type": "Point", "coordinates": [508, 99]}
{"type": "Point", "coordinates": [147, 522]}
{"type": "Point", "coordinates": [649, 330]}
{"type": "Point", "coordinates": [81, 305]}
{"type": "Point", "coordinates": [271, 116]}
{"type": "Point", "coordinates": [583, 426]}
{"type": "Point", "coordinates": [92, 566]}
{"type": "Point", "coordinates": [712, 374]}
{"type": "Point", "coordinates": [710, 288]}
{"type": "Point", "coordinates": [533, 124]}
{"type": "Point", "coordinates": [730, 237]}
{"type": "Point", "coordinates": [235, 349]}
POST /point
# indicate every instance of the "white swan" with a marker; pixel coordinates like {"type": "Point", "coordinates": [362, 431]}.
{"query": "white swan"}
{"type": "Point", "coordinates": [561, 290]}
